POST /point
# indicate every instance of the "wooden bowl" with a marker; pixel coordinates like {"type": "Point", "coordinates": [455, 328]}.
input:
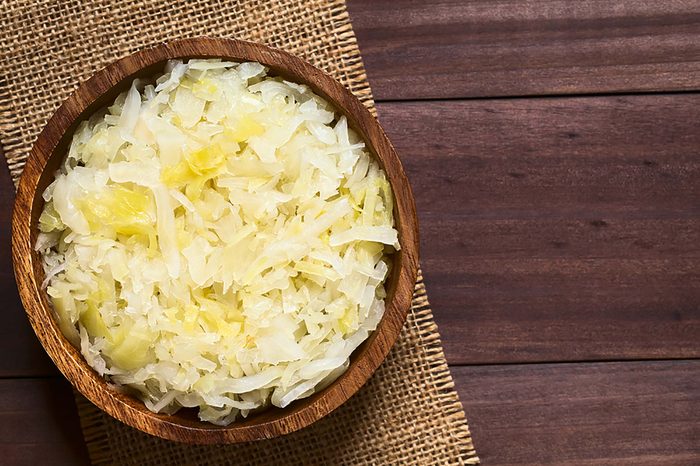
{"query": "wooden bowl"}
{"type": "Point", "coordinates": [50, 149]}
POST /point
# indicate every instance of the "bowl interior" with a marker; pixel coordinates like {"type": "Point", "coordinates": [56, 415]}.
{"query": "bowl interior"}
{"type": "Point", "coordinates": [49, 152]}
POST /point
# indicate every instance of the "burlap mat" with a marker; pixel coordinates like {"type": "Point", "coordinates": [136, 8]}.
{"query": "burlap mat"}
{"type": "Point", "coordinates": [409, 412]}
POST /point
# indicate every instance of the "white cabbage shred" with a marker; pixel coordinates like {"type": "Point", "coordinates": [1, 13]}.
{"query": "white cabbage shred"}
{"type": "Point", "coordinates": [218, 239]}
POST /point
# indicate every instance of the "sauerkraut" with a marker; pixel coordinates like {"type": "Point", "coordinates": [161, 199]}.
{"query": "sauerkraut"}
{"type": "Point", "coordinates": [217, 239]}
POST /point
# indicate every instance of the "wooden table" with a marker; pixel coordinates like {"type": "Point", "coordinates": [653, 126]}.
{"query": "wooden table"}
{"type": "Point", "coordinates": [554, 150]}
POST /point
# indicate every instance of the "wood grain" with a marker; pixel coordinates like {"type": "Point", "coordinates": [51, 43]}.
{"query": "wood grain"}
{"type": "Point", "coordinates": [558, 229]}
{"type": "Point", "coordinates": [16, 336]}
{"type": "Point", "coordinates": [641, 413]}
{"type": "Point", "coordinates": [39, 424]}
{"type": "Point", "coordinates": [452, 48]}
{"type": "Point", "coordinates": [632, 413]}
{"type": "Point", "coordinates": [49, 150]}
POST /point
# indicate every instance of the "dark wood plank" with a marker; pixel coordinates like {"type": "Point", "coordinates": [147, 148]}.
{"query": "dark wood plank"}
{"type": "Point", "coordinates": [632, 413]}
{"type": "Point", "coordinates": [16, 336]}
{"type": "Point", "coordinates": [612, 413]}
{"type": "Point", "coordinates": [416, 49]}
{"type": "Point", "coordinates": [559, 228]}
{"type": "Point", "coordinates": [39, 424]}
{"type": "Point", "coordinates": [553, 229]}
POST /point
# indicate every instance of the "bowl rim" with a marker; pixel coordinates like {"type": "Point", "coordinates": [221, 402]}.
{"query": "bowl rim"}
{"type": "Point", "coordinates": [70, 362]}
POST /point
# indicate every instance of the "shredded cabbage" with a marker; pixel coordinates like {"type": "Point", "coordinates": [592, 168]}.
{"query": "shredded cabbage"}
{"type": "Point", "coordinates": [217, 239]}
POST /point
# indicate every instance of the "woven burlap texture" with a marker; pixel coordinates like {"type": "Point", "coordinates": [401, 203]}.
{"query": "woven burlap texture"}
{"type": "Point", "coordinates": [409, 412]}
